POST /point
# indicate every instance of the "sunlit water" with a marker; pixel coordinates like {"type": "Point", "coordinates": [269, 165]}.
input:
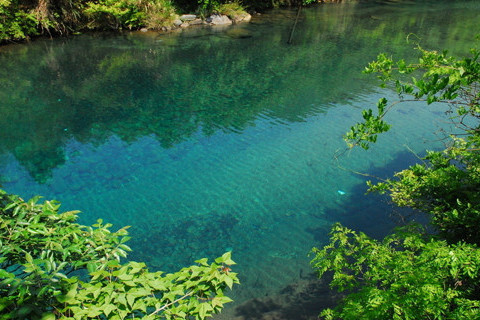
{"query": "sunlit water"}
{"type": "Point", "coordinates": [216, 139]}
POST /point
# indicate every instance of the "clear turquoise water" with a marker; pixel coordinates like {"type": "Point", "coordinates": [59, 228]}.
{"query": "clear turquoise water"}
{"type": "Point", "coordinates": [208, 140]}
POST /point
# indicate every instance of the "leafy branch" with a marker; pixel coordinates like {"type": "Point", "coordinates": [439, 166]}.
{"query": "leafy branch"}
{"type": "Point", "coordinates": [415, 274]}
{"type": "Point", "coordinates": [41, 247]}
{"type": "Point", "coordinates": [439, 78]}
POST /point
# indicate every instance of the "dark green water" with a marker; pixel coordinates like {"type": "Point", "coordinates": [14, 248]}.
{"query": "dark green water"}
{"type": "Point", "coordinates": [209, 140]}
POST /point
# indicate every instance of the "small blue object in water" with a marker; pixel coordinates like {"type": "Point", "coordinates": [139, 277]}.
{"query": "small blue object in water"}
{"type": "Point", "coordinates": [340, 192]}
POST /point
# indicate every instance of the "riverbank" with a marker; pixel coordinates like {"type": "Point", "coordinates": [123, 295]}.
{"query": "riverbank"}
{"type": "Point", "coordinates": [23, 21]}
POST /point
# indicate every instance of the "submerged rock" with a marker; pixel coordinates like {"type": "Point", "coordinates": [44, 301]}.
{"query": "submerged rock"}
{"type": "Point", "coordinates": [243, 17]}
{"type": "Point", "coordinates": [239, 33]}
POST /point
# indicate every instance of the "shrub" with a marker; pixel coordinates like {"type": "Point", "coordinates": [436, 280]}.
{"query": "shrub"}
{"type": "Point", "coordinates": [15, 22]}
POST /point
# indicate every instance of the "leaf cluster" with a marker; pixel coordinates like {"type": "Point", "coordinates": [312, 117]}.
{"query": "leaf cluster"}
{"type": "Point", "coordinates": [115, 14]}
{"type": "Point", "coordinates": [21, 19]}
{"type": "Point", "coordinates": [404, 276]}
{"type": "Point", "coordinates": [131, 14]}
{"type": "Point", "coordinates": [446, 183]}
{"type": "Point", "coordinates": [445, 186]}
{"type": "Point", "coordinates": [411, 274]}
{"type": "Point", "coordinates": [15, 22]}
{"type": "Point", "coordinates": [435, 77]}
{"type": "Point", "coordinates": [52, 267]}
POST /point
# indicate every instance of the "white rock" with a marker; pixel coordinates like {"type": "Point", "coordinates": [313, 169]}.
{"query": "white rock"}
{"type": "Point", "coordinates": [217, 19]}
{"type": "Point", "coordinates": [188, 17]}
{"type": "Point", "coordinates": [196, 22]}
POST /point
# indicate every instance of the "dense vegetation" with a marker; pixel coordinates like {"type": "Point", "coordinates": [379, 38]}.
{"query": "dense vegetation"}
{"type": "Point", "coordinates": [418, 272]}
{"type": "Point", "coordinates": [23, 19]}
{"type": "Point", "coordinates": [52, 267]}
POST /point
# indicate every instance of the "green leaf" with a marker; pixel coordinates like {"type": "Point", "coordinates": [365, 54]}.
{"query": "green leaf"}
{"type": "Point", "coordinates": [121, 298]}
{"type": "Point", "coordinates": [70, 295]}
{"type": "Point", "coordinates": [29, 258]}
{"type": "Point", "coordinates": [204, 309]}
{"type": "Point", "coordinates": [48, 316]}
{"type": "Point", "coordinates": [130, 300]}
{"type": "Point", "coordinates": [203, 261]}
{"type": "Point", "coordinates": [228, 281]}
{"type": "Point", "coordinates": [108, 308]}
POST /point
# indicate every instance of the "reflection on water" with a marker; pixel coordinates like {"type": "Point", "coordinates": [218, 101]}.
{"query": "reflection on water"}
{"type": "Point", "coordinates": [208, 140]}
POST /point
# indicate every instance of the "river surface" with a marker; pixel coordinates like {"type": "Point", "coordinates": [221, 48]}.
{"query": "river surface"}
{"type": "Point", "coordinates": [209, 140]}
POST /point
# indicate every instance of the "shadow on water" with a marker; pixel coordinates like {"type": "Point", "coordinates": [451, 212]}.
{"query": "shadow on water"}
{"type": "Point", "coordinates": [370, 217]}
{"type": "Point", "coordinates": [301, 300]}
{"type": "Point", "coordinates": [373, 214]}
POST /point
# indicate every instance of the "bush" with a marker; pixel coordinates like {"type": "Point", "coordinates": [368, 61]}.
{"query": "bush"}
{"type": "Point", "coordinates": [15, 22]}
{"type": "Point", "coordinates": [231, 9]}
{"type": "Point", "coordinates": [405, 276]}
{"type": "Point", "coordinates": [415, 275]}
{"type": "Point", "coordinates": [131, 14]}
{"type": "Point", "coordinates": [159, 13]}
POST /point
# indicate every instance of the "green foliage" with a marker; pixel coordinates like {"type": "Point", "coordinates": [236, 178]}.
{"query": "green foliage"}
{"type": "Point", "coordinates": [131, 14]}
{"type": "Point", "coordinates": [115, 14]}
{"type": "Point", "coordinates": [15, 23]}
{"type": "Point", "coordinates": [365, 132]}
{"type": "Point", "coordinates": [405, 276]}
{"type": "Point", "coordinates": [231, 9]}
{"type": "Point", "coordinates": [41, 248]}
{"type": "Point", "coordinates": [437, 77]}
{"type": "Point", "coordinates": [208, 6]}
{"type": "Point", "coordinates": [446, 183]}
{"type": "Point", "coordinates": [445, 186]}
{"type": "Point", "coordinates": [19, 19]}
{"type": "Point", "coordinates": [410, 275]}
{"type": "Point", "coordinates": [159, 13]}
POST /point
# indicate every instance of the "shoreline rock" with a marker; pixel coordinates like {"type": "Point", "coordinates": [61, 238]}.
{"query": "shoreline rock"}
{"type": "Point", "coordinates": [187, 20]}
{"type": "Point", "coordinates": [188, 17]}
{"type": "Point", "coordinates": [217, 19]}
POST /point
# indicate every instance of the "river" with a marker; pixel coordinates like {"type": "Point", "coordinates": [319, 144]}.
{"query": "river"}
{"type": "Point", "coordinates": [209, 140]}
